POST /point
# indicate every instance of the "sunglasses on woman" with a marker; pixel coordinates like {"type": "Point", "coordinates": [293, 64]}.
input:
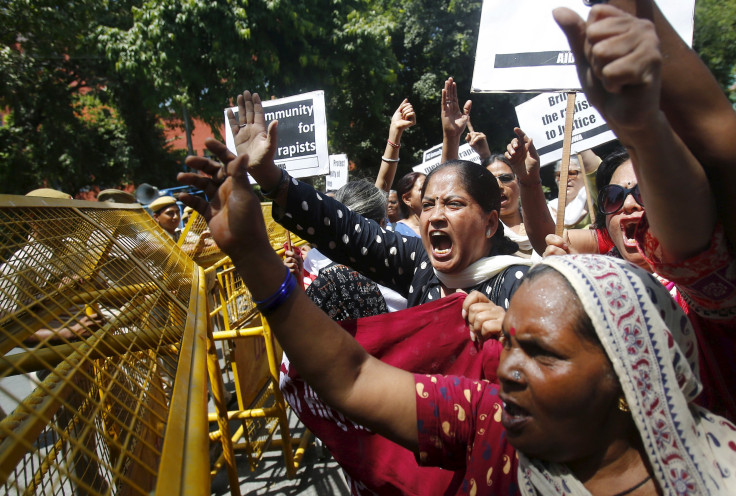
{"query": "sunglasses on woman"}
{"type": "Point", "coordinates": [612, 197]}
{"type": "Point", "coordinates": [505, 178]}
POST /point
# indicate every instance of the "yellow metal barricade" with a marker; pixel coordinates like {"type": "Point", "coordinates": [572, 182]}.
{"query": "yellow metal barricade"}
{"type": "Point", "coordinates": [196, 241]}
{"type": "Point", "coordinates": [254, 359]}
{"type": "Point", "coordinates": [103, 324]}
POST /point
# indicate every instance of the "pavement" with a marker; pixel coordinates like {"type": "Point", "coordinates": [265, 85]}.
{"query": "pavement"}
{"type": "Point", "coordinates": [317, 475]}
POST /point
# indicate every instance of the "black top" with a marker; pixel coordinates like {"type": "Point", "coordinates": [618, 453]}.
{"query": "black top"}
{"type": "Point", "coordinates": [390, 259]}
{"type": "Point", "coordinates": [343, 293]}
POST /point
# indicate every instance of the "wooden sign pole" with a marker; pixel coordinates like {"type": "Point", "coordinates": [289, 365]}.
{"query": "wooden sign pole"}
{"type": "Point", "coordinates": [566, 145]}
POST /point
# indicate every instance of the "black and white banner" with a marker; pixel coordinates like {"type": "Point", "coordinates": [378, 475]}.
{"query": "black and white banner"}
{"type": "Point", "coordinates": [543, 119]}
{"type": "Point", "coordinates": [302, 133]}
{"type": "Point", "coordinates": [521, 47]}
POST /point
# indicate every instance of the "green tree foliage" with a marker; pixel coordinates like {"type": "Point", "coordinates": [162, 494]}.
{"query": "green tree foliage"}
{"type": "Point", "coordinates": [63, 128]}
{"type": "Point", "coordinates": [715, 39]}
{"type": "Point", "coordinates": [86, 83]}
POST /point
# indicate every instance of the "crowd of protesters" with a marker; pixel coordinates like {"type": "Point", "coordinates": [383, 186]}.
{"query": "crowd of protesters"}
{"type": "Point", "coordinates": [612, 370]}
{"type": "Point", "coordinates": [440, 338]}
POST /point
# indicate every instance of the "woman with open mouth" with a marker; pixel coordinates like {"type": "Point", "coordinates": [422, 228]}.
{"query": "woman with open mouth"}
{"type": "Point", "coordinates": [656, 206]}
{"type": "Point", "coordinates": [595, 391]}
{"type": "Point", "coordinates": [462, 245]}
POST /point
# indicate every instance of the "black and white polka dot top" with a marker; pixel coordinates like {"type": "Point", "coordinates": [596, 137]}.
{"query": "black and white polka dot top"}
{"type": "Point", "coordinates": [399, 262]}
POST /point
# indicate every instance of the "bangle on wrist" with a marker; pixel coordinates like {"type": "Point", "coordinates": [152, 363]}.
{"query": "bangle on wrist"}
{"type": "Point", "coordinates": [392, 144]}
{"type": "Point", "coordinates": [390, 160]}
{"type": "Point", "coordinates": [279, 297]}
{"type": "Point", "coordinates": [273, 193]}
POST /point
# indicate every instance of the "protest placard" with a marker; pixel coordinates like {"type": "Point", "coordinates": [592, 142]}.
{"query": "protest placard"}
{"type": "Point", "coordinates": [543, 119]}
{"type": "Point", "coordinates": [302, 133]}
{"type": "Point", "coordinates": [521, 48]}
{"type": "Point", "coordinates": [338, 176]}
{"type": "Point", "coordinates": [433, 156]}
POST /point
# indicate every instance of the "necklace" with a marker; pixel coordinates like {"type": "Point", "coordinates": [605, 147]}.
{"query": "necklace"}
{"type": "Point", "coordinates": [634, 488]}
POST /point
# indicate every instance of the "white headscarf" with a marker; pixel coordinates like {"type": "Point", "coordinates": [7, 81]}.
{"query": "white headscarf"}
{"type": "Point", "coordinates": [520, 239]}
{"type": "Point", "coordinates": [575, 210]}
{"type": "Point", "coordinates": [650, 343]}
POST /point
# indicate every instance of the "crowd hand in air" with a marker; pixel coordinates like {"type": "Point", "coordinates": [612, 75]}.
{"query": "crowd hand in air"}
{"type": "Point", "coordinates": [233, 213]}
{"type": "Point", "coordinates": [484, 317]}
{"type": "Point", "coordinates": [479, 143]}
{"type": "Point", "coordinates": [524, 159]}
{"type": "Point", "coordinates": [254, 140]}
{"type": "Point", "coordinates": [618, 62]}
{"type": "Point", "coordinates": [454, 120]}
{"type": "Point", "coordinates": [403, 118]}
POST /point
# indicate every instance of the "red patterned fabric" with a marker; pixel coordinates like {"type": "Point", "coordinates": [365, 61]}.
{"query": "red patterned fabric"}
{"type": "Point", "coordinates": [459, 427]}
{"type": "Point", "coordinates": [706, 291]}
{"type": "Point", "coordinates": [604, 241]}
{"type": "Point", "coordinates": [427, 339]}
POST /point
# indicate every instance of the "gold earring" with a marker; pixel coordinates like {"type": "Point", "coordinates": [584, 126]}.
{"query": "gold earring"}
{"type": "Point", "coordinates": [622, 405]}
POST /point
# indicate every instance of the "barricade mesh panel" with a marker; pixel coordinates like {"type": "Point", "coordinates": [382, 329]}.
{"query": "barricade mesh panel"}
{"type": "Point", "coordinates": [94, 301]}
{"type": "Point", "coordinates": [197, 242]}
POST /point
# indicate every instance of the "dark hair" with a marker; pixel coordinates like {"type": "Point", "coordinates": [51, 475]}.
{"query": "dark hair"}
{"type": "Point", "coordinates": [403, 187]}
{"type": "Point", "coordinates": [583, 325]}
{"type": "Point", "coordinates": [499, 157]}
{"type": "Point", "coordinates": [364, 198]}
{"type": "Point", "coordinates": [482, 186]}
{"type": "Point", "coordinates": [603, 178]}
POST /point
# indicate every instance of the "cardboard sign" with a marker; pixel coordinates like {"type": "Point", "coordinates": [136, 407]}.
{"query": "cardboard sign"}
{"type": "Point", "coordinates": [338, 176]}
{"type": "Point", "coordinates": [521, 47]}
{"type": "Point", "coordinates": [543, 119]}
{"type": "Point", "coordinates": [302, 133]}
{"type": "Point", "coordinates": [433, 156]}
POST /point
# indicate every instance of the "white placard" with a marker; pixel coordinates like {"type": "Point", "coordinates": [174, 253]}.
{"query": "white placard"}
{"type": "Point", "coordinates": [338, 176]}
{"type": "Point", "coordinates": [543, 119]}
{"type": "Point", "coordinates": [521, 47]}
{"type": "Point", "coordinates": [302, 133]}
{"type": "Point", "coordinates": [433, 156]}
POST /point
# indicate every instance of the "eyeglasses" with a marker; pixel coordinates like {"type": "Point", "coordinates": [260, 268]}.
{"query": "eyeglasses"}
{"type": "Point", "coordinates": [505, 178]}
{"type": "Point", "coordinates": [612, 197]}
{"type": "Point", "coordinates": [571, 173]}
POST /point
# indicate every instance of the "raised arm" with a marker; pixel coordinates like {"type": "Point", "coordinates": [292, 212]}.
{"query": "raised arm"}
{"type": "Point", "coordinates": [524, 160]}
{"type": "Point", "coordinates": [619, 62]}
{"type": "Point", "coordinates": [697, 109]}
{"type": "Point", "coordinates": [372, 393]}
{"type": "Point", "coordinates": [479, 143]}
{"type": "Point", "coordinates": [454, 120]}
{"type": "Point", "coordinates": [403, 118]}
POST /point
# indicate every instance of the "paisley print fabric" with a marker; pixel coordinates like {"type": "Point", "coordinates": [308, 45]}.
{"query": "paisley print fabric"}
{"type": "Point", "coordinates": [459, 428]}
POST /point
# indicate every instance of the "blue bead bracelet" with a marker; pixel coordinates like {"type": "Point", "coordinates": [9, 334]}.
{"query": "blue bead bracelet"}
{"type": "Point", "coordinates": [279, 297]}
